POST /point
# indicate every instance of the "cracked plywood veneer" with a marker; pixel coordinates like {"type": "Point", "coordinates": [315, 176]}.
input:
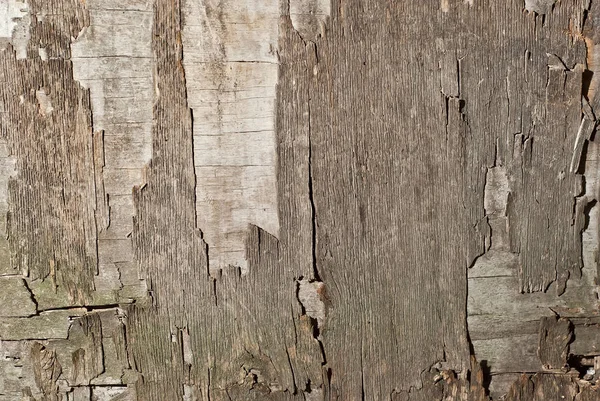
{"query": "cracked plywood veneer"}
{"type": "Point", "coordinates": [112, 57]}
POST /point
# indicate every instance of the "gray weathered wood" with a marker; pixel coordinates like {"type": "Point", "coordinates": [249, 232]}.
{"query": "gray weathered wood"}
{"type": "Point", "coordinates": [299, 200]}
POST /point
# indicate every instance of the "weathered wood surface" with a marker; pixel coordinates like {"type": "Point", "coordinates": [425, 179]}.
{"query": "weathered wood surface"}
{"type": "Point", "coordinates": [299, 200]}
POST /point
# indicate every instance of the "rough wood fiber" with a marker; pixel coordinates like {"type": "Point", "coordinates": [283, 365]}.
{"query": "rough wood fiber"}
{"type": "Point", "coordinates": [167, 244]}
{"type": "Point", "coordinates": [540, 111]}
{"type": "Point", "coordinates": [388, 154]}
{"type": "Point", "coordinates": [542, 387]}
{"type": "Point", "coordinates": [371, 179]}
{"type": "Point", "coordinates": [211, 338]}
{"type": "Point", "coordinates": [48, 129]}
{"type": "Point", "coordinates": [503, 323]}
{"type": "Point", "coordinates": [53, 191]}
{"type": "Point", "coordinates": [445, 385]}
{"type": "Point", "coordinates": [47, 370]}
{"type": "Point", "coordinates": [555, 336]}
{"type": "Point", "coordinates": [73, 352]}
{"type": "Point", "coordinates": [321, 255]}
{"type": "Point", "coordinates": [554, 53]}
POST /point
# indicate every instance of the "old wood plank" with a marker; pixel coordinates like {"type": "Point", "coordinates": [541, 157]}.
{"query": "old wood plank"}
{"type": "Point", "coordinates": [372, 180]}
{"type": "Point", "coordinates": [579, 299]}
{"type": "Point", "coordinates": [245, 348]}
{"type": "Point", "coordinates": [400, 153]}
{"type": "Point", "coordinates": [441, 385]}
{"type": "Point", "coordinates": [112, 58]}
{"type": "Point", "coordinates": [15, 298]}
{"type": "Point", "coordinates": [541, 387]}
{"type": "Point", "coordinates": [46, 325]}
{"type": "Point", "coordinates": [165, 225]}
{"type": "Point", "coordinates": [554, 338]}
{"type": "Point", "coordinates": [7, 171]}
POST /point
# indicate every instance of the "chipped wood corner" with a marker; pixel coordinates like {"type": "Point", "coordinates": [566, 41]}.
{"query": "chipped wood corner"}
{"type": "Point", "coordinates": [301, 200]}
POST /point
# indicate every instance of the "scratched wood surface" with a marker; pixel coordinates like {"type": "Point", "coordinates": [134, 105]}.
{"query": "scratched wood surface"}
{"type": "Point", "coordinates": [299, 200]}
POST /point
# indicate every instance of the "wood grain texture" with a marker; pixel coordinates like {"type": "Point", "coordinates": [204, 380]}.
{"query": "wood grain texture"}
{"type": "Point", "coordinates": [299, 200]}
{"type": "Point", "coordinates": [551, 387]}
{"type": "Point", "coordinates": [53, 201]}
{"type": "Point", "coordinates": [216, 335]}
{"type": "Point", "coordinates": [365, 253]}
{"type": "Point", "coordinates": [51, 197]}
{"type": "Point", "coordinates": [555, 336]}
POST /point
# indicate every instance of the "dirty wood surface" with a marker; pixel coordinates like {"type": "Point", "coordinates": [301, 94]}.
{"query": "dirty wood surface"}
{"type": "Point", "coordinates": [299, 200]}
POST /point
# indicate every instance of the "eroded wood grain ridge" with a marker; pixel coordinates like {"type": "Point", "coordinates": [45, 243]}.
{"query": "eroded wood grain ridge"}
{"type": "Point", "coordinates": [508, 118]}
{"type": "Point", "coordinates": [299, 200]}
{"type": "Point", "coordinates": [234, 335]}
{"type": "Point", "coordinates": [376, 174]}
{"type": "Point", "coordinates": [541, 262]}
{"type": "Point", "coordinates": [167, 244]}
{"type": "Point", "coordinates": [47, 127]}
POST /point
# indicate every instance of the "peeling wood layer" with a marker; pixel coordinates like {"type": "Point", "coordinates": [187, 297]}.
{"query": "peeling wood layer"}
{"type": "Point", "coordinates": [14, 26]}
{"type": "Point", "coordinates": [52, 205]}
{"type": "Point", "coordinates": [64, 354]}
{"type": "Point", "coordinates": [541, 262]}
{"type": "Point", "coordinates": [219, 340]}
{"type": "Point", "coordinates": [231, 71]}
{"type": "Point", "coordinates": [299, 200]}
{"type": "Point", "coordinates": [113, 58]}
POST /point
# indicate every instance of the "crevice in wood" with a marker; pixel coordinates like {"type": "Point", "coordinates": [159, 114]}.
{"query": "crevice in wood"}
{"type": "Point", "coordinates": [32, 297]}
{"type": "Point", "coordinates": [585, 367]}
